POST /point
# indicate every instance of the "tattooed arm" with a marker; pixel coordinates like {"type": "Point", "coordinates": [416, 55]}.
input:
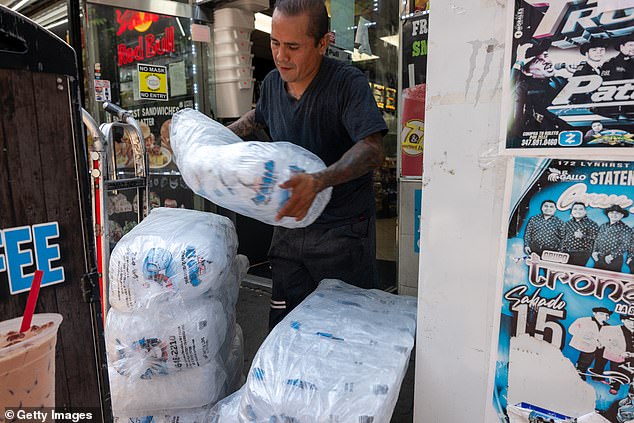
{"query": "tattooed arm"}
{"type": "Point", "coordinates": [365, 156]}
{"type": "Point", "coordinates": [247, 125]}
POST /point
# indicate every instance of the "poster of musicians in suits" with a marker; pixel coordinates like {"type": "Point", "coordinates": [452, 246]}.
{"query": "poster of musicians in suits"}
{"type": "Point", "coordinates": [570, 66]}
{"type": "Point", "coordinates": [568, 276]}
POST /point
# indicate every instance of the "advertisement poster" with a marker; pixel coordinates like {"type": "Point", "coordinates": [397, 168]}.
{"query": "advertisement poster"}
{"type": "Point", "coordinates": [165, 191]}
{"type": "Point", "coordinates": [568, 287]}
{"type": "Point", "coordinates": [152, 82]}
{"type": "Point", "coordinates": [571, 76]}
{"type": "Point", "coordinates": [415, 29]}
{"type": "Point", "coordinates": [102, 90]}
{"type": "Point", "coordinates": [154, 120]}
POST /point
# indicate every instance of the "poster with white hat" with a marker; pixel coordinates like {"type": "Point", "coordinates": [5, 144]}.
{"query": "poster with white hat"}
{"type": "Point", "coordinates": [565, 347]}
{"type": "Point", "coordinates": [570, 69]}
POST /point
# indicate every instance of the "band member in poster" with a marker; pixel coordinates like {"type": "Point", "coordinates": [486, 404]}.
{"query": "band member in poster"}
{"type": "Point", "coordinates": [585, 339]}
{"type": "Point", "coordinates": [621, 66]}
{"type": "Point", "coordinates": [543, 231]}
{"type": "Point", "coordinates": [578, 236]}
{"type": "Point", "coordinates": [594, 132]}
{"type": "Point", "coordinates": [594, 50]}
{"type": "Point", "coordinates": [536, 87]}
{"type": "Point", "coordinates": [618, 342]}
{"type": "Point", "coordinates": [630, 254]}
{"type": "Point", "coordinates": [612, 240]}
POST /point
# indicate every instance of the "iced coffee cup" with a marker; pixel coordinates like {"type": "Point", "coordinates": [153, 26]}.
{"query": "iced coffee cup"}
{"type": "Point", "coordinates": [414, 103]}
{"type": "Point", "coordinates": [27, 362]}
{"type": "Point", "coordinates": [413, 130]}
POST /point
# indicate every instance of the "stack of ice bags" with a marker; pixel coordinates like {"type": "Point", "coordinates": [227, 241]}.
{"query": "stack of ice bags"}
{"type": "Point", "coordinates": [241, 176]}
{"type": "Point", "coordinates": [340, 356]}
{"type": "Point", "coordinates": [172, 342]}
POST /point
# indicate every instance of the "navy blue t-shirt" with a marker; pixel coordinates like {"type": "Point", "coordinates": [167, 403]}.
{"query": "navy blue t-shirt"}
{"type": "Point", "coordinates": [336, 111]}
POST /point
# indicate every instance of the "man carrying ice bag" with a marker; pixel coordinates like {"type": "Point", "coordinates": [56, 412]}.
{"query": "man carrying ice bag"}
{"type": "Point", "coordinates": [326, 107]}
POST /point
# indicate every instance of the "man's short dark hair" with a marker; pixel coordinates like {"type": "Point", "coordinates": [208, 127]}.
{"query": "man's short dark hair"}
{"type": "Point", "coordinates": [548, 201]}
{"type": "Point", "coordinates": [578, 202]}
{"type": "Point", "coordinates": [317, 15]}
{"type": "Point", "coordinates": [621, 41]}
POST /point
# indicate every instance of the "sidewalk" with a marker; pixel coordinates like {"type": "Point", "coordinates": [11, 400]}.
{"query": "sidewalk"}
{"type": "Point", "coordinates": [252, 316]}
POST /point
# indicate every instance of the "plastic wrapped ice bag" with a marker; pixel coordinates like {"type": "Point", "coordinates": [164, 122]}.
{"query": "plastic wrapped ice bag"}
{"type": "Point", "coordinates": [171, 252]}
{"type": "Point", "coordinates": [167, 357]}
{"type": "Point", "coordinates": [234, 379]}
{"type": "Point", "coordinates": [158, 342]}
{"type": "Point", "coordinates": [235, 376]}
{"type": "Point", "coordinates": [190, 388]}
{"type": "Point", "coordinates": [183, 415]}
{"type": "Point", "coordinates": [241, 176]}
{"type": "Point", "coordinates": [230, 290]}
{"type": "Point", "coordinates": [341, 355]}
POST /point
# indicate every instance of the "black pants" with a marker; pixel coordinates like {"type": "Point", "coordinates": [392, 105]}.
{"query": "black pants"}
{"type": "Point", "coordinates": [578, 258]}
{"type": "Point", "coordinates": [301, 258]}
{"type": "Point", "coordinates": [599, 363]}
{"type": "Point", "coordinates": [615, 265]}
{"type": "Point", "coordinates": [584, 361]}
{"type": "Point", "coordinates": [614, 366]}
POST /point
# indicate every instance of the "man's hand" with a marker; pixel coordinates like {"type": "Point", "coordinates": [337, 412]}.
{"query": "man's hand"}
{"type": "Point", "coordinates": [304, 188]}
{"type": "Point", "coordinates": [595, 256]}
{"type": "Point", "coordinates": [527, 250]}
{"type": "Point", "coordinates": [520, 56]}
{"type": "Point", "coordinates": [363, 157]}
{"type": "Point", "coordinates": [608, 259]}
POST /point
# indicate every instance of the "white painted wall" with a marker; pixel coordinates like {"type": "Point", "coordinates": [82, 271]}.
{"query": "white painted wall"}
{"type": "Point", "coordinates": [462, 217]}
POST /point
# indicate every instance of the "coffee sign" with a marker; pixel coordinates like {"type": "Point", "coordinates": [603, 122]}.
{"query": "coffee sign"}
{"type": "Point", "coordinates": [26, 246]}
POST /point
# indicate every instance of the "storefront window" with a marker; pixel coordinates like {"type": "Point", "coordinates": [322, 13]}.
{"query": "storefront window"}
{"type": "Point", "coordinates": [150, 64]}
{"type": "Point", "coordinates": [368, 30]}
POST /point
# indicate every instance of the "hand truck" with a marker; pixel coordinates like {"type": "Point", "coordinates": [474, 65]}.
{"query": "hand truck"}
{"type": "Point", "coordinates": [106, 178]}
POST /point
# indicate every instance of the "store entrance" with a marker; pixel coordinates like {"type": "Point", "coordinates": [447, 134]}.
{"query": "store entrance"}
{"type": "Point", "coordinates": [152, 62]}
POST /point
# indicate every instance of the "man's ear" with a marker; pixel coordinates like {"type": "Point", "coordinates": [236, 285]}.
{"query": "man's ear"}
{"type": "Point", "coordinates": [323, 44]}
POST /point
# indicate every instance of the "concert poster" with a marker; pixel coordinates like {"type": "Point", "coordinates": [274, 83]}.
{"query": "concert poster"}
{"type": "Point", "coordinates": [568, 288]}
{"type": "Point", "coordinates": [570, 67]}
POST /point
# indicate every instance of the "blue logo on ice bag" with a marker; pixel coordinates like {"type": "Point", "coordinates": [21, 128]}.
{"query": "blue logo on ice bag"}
{"type": "Point", "coordinates": [193, 266]}
{"type": "Point", "coordinates": [157, 266]}
{"type": "Point", "coordinates": [263, 194]}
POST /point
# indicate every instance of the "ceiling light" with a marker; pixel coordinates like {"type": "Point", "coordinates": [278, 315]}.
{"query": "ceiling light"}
{"type": "Point", "coordinates": [263, 22]}
{"type": "Point", "coordinates": [361, 57]}
{"type": "Point", "coordinates": [53, 25]}
{"type": "Point", "coordinates": [19, 5]}
{"type": "Point", "coordinates": [391, 39]}
{"type": "Point", "coordinates": [51, 15]}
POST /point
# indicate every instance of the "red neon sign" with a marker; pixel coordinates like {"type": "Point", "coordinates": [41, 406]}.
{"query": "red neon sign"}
{"type": "Point", "coordinates": [133, 20]}
{"type": "Point", "coordinates": [148, 47]}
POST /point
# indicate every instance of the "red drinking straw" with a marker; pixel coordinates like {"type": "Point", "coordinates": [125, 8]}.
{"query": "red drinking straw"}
{"type": "Point", "coordinates": [31, 301]}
